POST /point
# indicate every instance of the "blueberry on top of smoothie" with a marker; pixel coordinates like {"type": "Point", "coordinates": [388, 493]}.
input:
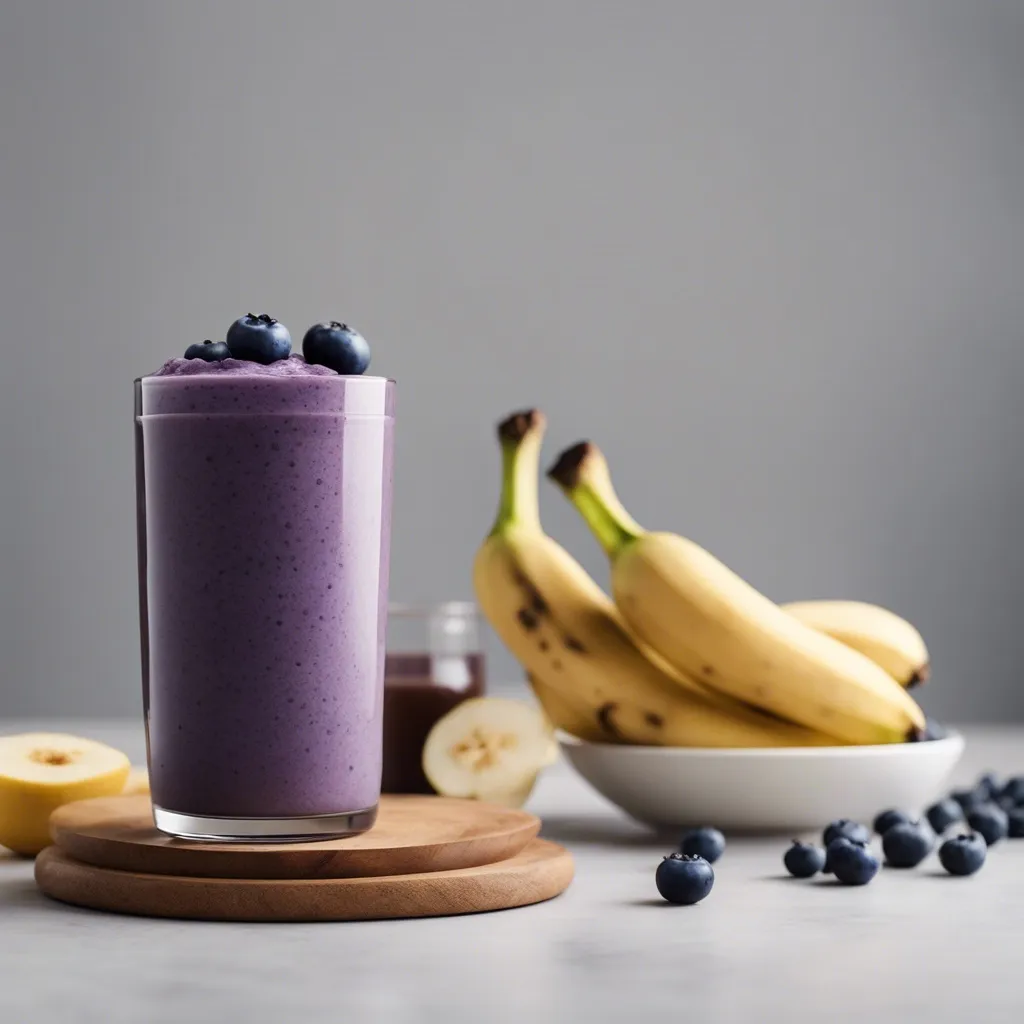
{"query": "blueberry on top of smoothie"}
{"type": "Point", "coordinates": [338, 346]}
{"type": "Point", "coordinates": [210, 351]}
{"type": "Point", "coordinates": [260, 339]}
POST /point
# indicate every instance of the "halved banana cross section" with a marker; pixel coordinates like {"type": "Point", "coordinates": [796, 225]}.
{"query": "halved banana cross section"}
{"type": "Point", "coordinates": [40, 772]}
{"type": "Point", "coordinates": [490, 749]}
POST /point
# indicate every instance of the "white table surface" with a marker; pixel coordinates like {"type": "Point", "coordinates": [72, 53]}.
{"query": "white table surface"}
{"type": "Point", "coordinates": [912, 946]}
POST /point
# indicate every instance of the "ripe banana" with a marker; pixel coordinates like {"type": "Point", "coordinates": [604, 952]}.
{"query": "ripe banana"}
{"type": "Point", "coordinates": [707, 621]}
{"type": "Point", "coordinates": [564, 711]}
{"type": "Point", "coordinates": [568, 635]}
{"type": "Point", "coordinates": [878, 633]}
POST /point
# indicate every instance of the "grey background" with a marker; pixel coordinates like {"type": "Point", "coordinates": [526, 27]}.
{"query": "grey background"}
{"type": "Point", "coordinates": [768, 255]}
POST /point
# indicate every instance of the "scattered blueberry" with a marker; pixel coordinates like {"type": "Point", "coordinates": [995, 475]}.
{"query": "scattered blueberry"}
{"type": "Point", "coordinates": [1014, 789]}
{"type": "Point", "coordinates": [843, 827]}
{"type": "Point", "coordinates": [988, 786]}
{"type": "Point", "coordinates": [803, 860]}
{"type": "Point", "coordinates": [211, 351]}
{"type": "Point", "coordinates": [260, 339]}
{"type": "Point", "coordinates": [708, 843]}
{"type": "Point", "coordinates": [854, 864]}
{"type": "Point", "coordinates": [963, 855]}
{"type": "Point", "coordinates": [968, 799]}
{"type": "Point", "coordinates": [1016, 823]}
{"type": "Point", "coordinates": [907, 844]}
{"type": "Point", "coordinates": [338, 346]}
{"type": "Point", "coordinates": [943, 814]}
{"type": "Point", "coordinates": [683, 879]}
{"type": "Point", "coordinates": [887, 819]}
{"type": "Point", "coordinates": [832, 850]}
{"type": "Point", "coordinates": [990, 822]}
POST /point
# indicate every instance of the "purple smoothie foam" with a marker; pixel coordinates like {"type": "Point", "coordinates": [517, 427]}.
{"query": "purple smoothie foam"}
{"type": "Point", "coordinates": [267, 493]}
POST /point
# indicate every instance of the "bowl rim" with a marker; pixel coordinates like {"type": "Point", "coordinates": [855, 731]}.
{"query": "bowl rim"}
{"type": "Point", "coordinates": [952, 740]}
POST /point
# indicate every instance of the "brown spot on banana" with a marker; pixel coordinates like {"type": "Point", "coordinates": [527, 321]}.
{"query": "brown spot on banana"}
{"type": "Point", "coordinates": [708, 670]}
{"type": "Point", "coordinates": [573, 644]}
{"type": "Point", "coordinates": [653, 719]}
{"type": "Point", "coordinates": [544, 645]}
{"type": "Point", "coordinates": [527, 619]}
{"type": "Point", "coordinates": [556, 664]}
{"type": "Point", "coordinates": [605, 720]}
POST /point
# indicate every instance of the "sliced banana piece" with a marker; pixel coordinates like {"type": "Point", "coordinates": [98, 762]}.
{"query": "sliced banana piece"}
{"type": "Point", "coordinates": [137, 781]}
{"type": "Point", "coordinates": [490, 749]}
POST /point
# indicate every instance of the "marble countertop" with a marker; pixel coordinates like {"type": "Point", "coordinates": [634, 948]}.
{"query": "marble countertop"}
{"type": "Point", "coordinates": [915, 946]}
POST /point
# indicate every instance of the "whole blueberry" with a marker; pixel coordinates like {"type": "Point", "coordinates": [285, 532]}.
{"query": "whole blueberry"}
{"type": "Point", "coordinates": [708, 843]}
{"type": "Point", "coordinates": [906, 845]}
{"type": "Point", "coordinates": [887, 819]}
{"type": "Point", "coordinates": [1013, 789]}
{"type": "Point", "coordinates": [968, 799]}
{"type": "Point", "coordinates": [1016, 823]}
{"type": "Point", "coordinates": [683, 879]}
{"type": "Point", "coordinates": [259, 339]}
{"type": "Point", "coordinates": [337, 346]}
{"type": "Point", "coordinates": [843, 827]}
{"type": "Point", "coordinates": [211, 351]}
{"type": "Point", "coordinates": [854, 864]}
{"type": "Point", "coordinates": [990, 822]}
{"type": "Point", "coordinates": [988, 786]}
{"type": "Point", "coordinates": [943, 814]}
{"type": "Point", "coordinates": [832, 851]}
{"type": "Point", "coordinates": [963, 855]}
{"type": "Point", "coordinates": [803, 860]}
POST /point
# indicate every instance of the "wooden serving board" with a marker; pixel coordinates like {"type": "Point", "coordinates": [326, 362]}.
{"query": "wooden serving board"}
{"type": "Point", "coordinates": [538, 872]}
{"type": "Point", "coordinates": [413, 835]}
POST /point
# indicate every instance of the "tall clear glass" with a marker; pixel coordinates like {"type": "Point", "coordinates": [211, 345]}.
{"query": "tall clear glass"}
{"type": "Point", "coordinates": [264, 529]}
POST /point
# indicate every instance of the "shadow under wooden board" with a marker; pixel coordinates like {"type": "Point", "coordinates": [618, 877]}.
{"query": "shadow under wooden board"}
{"type": "Point", "coordinates": [413, 834]}
{"type": "Point", "coordinates": [540, 871]}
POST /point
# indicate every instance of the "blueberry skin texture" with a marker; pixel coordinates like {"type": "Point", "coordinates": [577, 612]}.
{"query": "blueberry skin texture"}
{"type": "Point", "coordinates": [803, 860]}
{"type": "Point", "coordinates": [259, 339]}
{"type": "Point", "coordinates": [684, 880]}
{"type": "Point", "coordinates": [708, 843]}
{"type": "Point", "coordinates": [211, 351]}
{"type": "Point", "coordinates": [854, 864]}
{"type": "Point", "coordinates": [338, 346]}
{"type": "Point", "coordinates": [963, 855]}
{"type": "Point", "coordinates": [906, 845]}
{"type": "Point", "coordinates": [832, 851]}
{"type": "Point", "coordinates": [887, 819]}
{"type": "Point", "coordinates": [943, 814]}
{"type": "Point", "coordinates": [1016, 823]}
{"type": "Point", "coordinates": [844, 827]}
{"type": "Point", "coordinates": [990, 822]}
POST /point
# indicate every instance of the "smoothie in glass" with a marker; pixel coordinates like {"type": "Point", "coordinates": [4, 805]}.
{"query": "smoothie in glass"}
{"type": "Point", "coordinates": [264, 498]}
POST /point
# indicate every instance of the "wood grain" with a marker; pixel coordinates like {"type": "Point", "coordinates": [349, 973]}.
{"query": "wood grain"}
{"type": "Point", "coordinates": [413, 834]}
{"type": "Point", "coordinates": [539, 872]}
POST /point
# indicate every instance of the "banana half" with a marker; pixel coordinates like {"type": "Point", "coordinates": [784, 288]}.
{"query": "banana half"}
{"type": "Point", "coordinates": [490, 749]}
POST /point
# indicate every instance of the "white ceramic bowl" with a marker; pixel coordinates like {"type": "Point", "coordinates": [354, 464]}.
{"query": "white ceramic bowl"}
{"type": "Point", "coordinates": [765, 790]}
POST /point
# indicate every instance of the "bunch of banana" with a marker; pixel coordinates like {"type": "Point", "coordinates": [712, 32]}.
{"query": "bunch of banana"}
{"type": "Point", "coordinates": [709, 623]}
{"type": "Point", "coordinates": [588, 671]}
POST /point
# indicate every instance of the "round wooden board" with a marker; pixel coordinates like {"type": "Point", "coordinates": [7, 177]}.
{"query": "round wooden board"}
{"type": "Point", "coordinates": [413, 834]}
{"type": "Point", "coordinates": [539, 872]}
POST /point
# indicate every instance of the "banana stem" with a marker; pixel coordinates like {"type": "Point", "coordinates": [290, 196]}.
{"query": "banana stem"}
{"type": "Point", "coordinates": [520, 437]}
{"type": "Point", "coordinates": [582, 473]}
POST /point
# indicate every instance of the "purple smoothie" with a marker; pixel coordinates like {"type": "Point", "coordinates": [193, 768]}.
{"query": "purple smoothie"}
{"type": "Point", "coordinates": [265, 520]}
